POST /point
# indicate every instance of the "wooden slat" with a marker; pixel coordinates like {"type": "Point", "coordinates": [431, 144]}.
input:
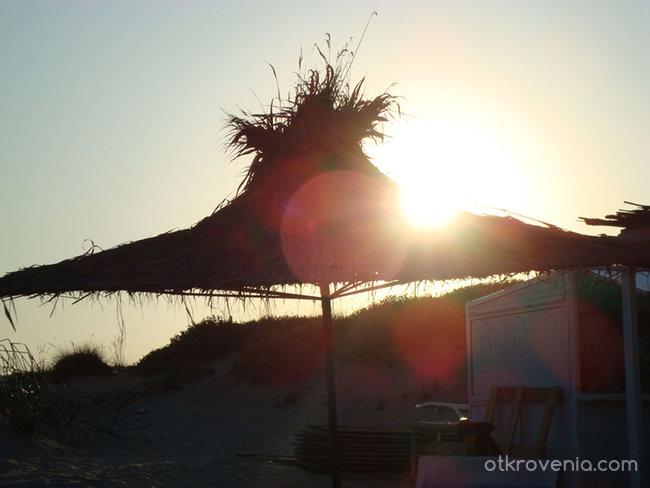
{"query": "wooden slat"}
{"type": "Point", "coordinates": [515, 411]}
{"type": "Point", "coordinates": [359, 449]}
{"type": "Point", "coordinates": [545, 427]}
{"type": "Point", "coordinates": [492, 405]}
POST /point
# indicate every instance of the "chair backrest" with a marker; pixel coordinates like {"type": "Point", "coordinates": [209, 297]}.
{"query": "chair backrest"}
{"type": "Point", "coordinates": [516, 395]}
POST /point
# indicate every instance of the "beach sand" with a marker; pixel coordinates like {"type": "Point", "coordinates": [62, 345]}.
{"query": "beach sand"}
{"type": "Point", "coordinates": [212, 431]}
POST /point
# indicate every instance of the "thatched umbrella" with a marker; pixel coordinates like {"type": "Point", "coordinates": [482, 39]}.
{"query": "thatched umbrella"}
{"type": "Point", "coordinates": [313, 210]}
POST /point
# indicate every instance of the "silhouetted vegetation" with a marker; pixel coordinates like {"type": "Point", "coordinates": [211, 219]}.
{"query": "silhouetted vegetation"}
{"type": "Point", "coordinates": [214, 338]}
{"type": "Point", "coordinates": [425, 334]}
{"type": "Point", "coordinates": [81, 361]}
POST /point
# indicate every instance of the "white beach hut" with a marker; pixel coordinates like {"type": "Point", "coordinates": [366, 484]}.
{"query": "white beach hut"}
{"type": "Point", "coordinates": [563, 330]}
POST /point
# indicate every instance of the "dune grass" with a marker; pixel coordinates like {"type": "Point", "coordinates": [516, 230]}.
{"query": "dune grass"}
{"type": "Point", "coordinates": [80, 360]}
{"type": "Point", "coordinates": [425, 334]}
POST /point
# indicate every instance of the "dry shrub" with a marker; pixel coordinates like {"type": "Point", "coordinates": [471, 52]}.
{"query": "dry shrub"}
{"type": "Point", "coordinates": [213, 339]}
{"type": "Point", "coordinates": [205, 341]}
{"type": "Point", "coordinates": [80, 361]}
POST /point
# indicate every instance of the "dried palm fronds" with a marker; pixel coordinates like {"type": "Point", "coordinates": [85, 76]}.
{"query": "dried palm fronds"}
{"type": "Point", "coordinates": [325, 115]}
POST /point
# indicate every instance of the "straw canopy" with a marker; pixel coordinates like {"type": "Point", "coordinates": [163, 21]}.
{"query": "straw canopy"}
{"type": "Point", "coordinates": [313, 209]}
{"type": "Point", "coordinates": [631, 220]}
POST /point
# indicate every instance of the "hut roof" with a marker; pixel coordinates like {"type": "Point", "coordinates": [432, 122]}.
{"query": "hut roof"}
{"type": "Point", "coordinates": [234, 250]}
{"type": "Point", "coordinates": [628, 219]}
{"type": "Point", "coordinates": [313, 209]}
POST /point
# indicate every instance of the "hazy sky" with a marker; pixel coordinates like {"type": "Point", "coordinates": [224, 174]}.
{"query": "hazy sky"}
{"type": "Point", "coordinates": [111, 117]}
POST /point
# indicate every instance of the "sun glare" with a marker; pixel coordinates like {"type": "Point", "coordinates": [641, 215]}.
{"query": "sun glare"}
{"type": "Point", "coordinates": [445, 165]}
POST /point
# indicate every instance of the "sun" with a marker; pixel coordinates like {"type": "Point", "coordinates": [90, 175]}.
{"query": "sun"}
{"type": "Point", "coordinates": [446, 164]}
{"type": "Point", "coordinates": [424, 206]}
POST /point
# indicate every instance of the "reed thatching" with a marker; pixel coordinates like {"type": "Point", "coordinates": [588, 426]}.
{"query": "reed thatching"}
{"type": "Point", "coordinates": [629, 219]}
{"type": "Point", "coordinates": [313, 209]}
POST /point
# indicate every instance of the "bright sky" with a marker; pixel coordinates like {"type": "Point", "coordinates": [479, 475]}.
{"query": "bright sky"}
{"type": "Point", "coordinates": [111, 116]}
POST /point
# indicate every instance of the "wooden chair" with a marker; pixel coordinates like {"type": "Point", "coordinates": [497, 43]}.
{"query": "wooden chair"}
{"type": "Point", "coordinates": [517, 396]}
{"type": "Point", "coordinates": [472, 438]}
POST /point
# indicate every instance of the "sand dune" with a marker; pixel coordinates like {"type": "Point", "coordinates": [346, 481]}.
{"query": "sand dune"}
{"type": "Point", "coordinates": [214, 431]}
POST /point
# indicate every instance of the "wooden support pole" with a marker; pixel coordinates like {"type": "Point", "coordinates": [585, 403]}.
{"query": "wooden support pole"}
{"type": "Point", "coordinates": [328, 333]}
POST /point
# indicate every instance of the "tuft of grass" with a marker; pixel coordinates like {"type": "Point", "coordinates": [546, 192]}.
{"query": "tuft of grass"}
{"type": "Point", "coordinates": [79, 361]}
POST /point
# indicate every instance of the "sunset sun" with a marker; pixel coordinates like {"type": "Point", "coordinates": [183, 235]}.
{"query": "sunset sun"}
{"type": "Point", "coordinates": [448, 164]}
